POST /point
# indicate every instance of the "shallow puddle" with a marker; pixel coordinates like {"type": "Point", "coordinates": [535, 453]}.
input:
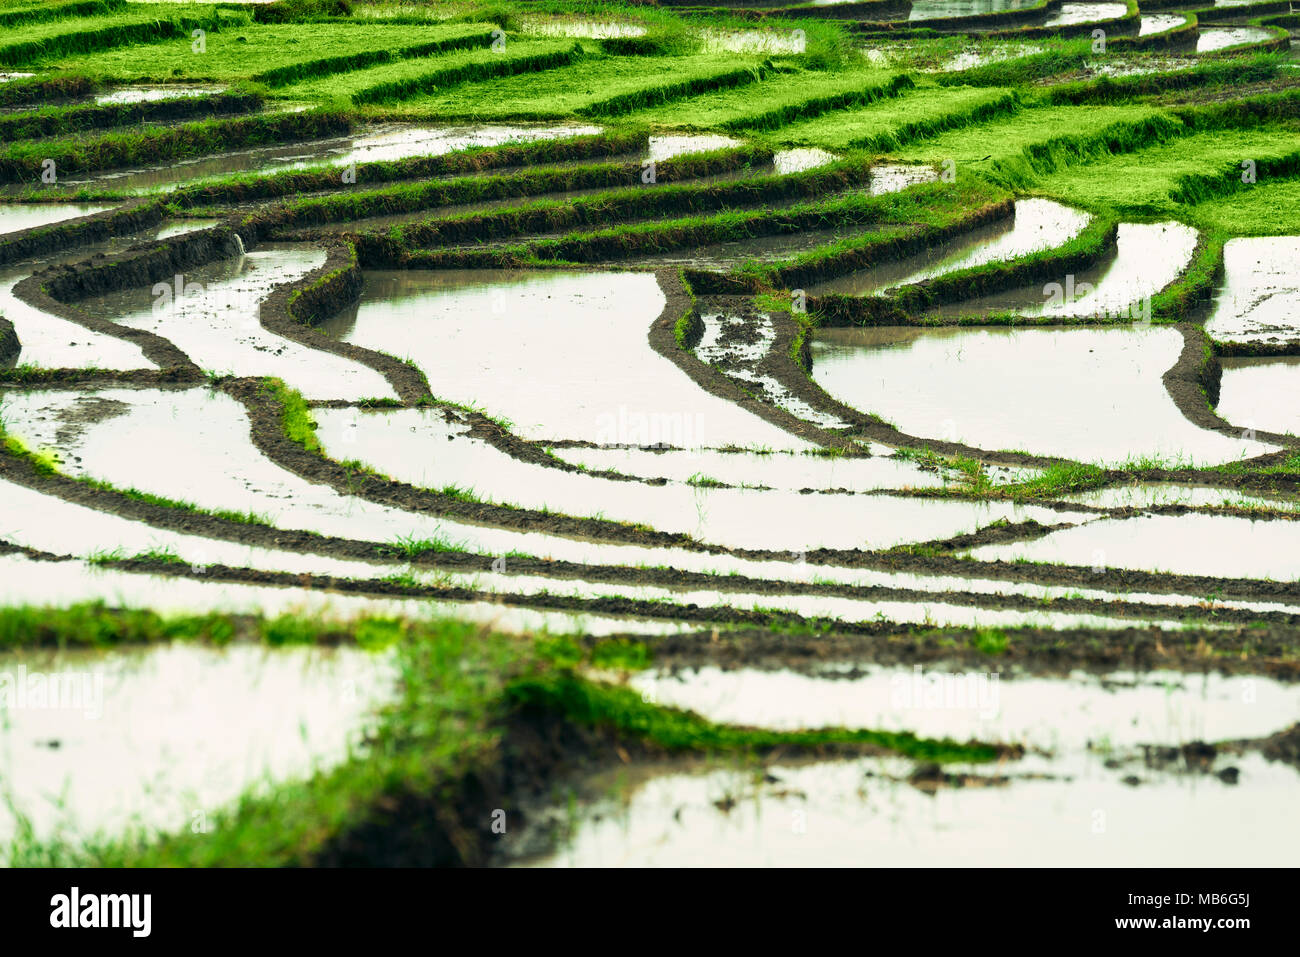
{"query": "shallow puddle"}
{"type": "Point", "coordinates": [1259, 300]}
{"type": "Point", "coordinates": [1150, 494]}
{"type": "Point", "coordinates": [27, 582]}
{"type": "Point", "coordinates": [15, 217]}
{"type": "Point", "coordinates": [594, 30]}
{"type": "Point", "coordinates": [1159, 23]}
{"type": "Point", "coordinates": [212, 464]}
{"type": "Point", "coordinates": [863, 813]}
{"type": "Point", "coordinates": [800, 160]}
{"type": "Point", "coordinates": [1216, 545]}
{"type": "Point", "coordinates": [1219, 38]}
{"type": "Point", "coordinates": [161, 739]}
{"type": "Point", "coordinates": [662, 148]}
{"type": "Point", "coordinates": [50, 524]}
{"type": "Point", "coordinates": [1147, 258]}
{"type": "Point", "coordinates": [1261, 394]}
{"type": "Point", "coordinates": [778, 42]}
{"type": "Point", "coordinates": [1086, 394]}
{"type": "Point", "coordinates": [941, 611]}
{"type": "Point", "coordinates": [894, 177]}
{"type": "Point", "coordinates": [1119, 67]}
{"type": "Point", "coordinates": [1071, 13]}
{"type": "Point", "coordinates": [52, 342]}
{"type": "Point", "coordinates": [937, 9]}
{"type": "Point", "coordinates": [212, 314]}
{"type": "Point", "coordinates": [152, 94]}
{"type": "Point", "coordinates": [941, 701]}
{"type": "Point", "coordinates": [209, 460]}
{"type": "Point", "coordinates": [790, 470]}
{"type": "Point", "coordinates": [412, 446]}
{"type": "Point", "coordinates": [731, 254]}
{"type": "Point", "coordinates": [381, 144]}
{"type": "Point", "coordinates": [1038, 224]}
{"type": "Point", "coordinates": [507, 341]}
{"type": "Point", "coordinates": [737, 345]}
{"type": "Point", "coordinates": [969, 59]}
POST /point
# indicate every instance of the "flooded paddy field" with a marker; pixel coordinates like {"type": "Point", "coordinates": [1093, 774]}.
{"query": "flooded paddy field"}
{"type": "Point", "coordinates": [867, 442]}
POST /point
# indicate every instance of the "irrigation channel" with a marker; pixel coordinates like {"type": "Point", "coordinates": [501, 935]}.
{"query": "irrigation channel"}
{"type": "Point", "coordinates": [826, 433]}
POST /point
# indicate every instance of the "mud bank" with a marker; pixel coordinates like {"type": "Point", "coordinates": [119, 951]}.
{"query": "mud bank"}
{"type": "Point", "coordinates": [9, 345]}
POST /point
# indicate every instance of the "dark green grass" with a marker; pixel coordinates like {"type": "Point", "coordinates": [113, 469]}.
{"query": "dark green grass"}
{"type": "Point", "coordinates": [53, 121]}
{"type": "Point", "coordinates": [525, 184]}
{"type": "Point", "coordinates": [24, 161]}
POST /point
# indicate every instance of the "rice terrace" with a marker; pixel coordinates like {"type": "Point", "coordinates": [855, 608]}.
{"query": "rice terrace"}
{"type": "Point", "coordinates": [542, 433]}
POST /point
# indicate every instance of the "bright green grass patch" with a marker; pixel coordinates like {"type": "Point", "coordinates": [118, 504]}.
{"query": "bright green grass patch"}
{"type": "Point", "coordinates": [776, 91]}
{"type": "Point", "coordinates": [28, 44]}
{"type": "Point", "coordinates": [1265, 209]}
{"type": "Point", "coordinates": [1140, 182]}
{"type": "Point", "coordinates": [28, 11]}
{"type": "Point", "coordinates": [346, 84]}
{"type": "Point", "coordinates": [1007, 136]}
{"type": "Point", "coordinates": [36, 32]}
{"type": "Point", "coordinates": [869, 125]}
{"type": "Point", "coordinates": [245, 51]}
{"type": "Point", "coordinates": [567, 90]}
{"type": "Point", "coordinates": [295, 416]}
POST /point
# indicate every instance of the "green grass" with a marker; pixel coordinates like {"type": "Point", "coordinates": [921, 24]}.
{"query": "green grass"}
{"type": "Point", "coordinates": [919, 205]}
{"type": "Point", "coordinates": [75, 154]}
{"type": "Point", "coordinates": [597, 705]}
{"type": "Point", "coordinates": [35, 43]}
{"type": "Point", "coordinates": [44, 461]}
{"type": "Point", "coordinates": [631, 204]}
{"type": "Point", "coordinates": [64, 120]}
{"type": "Point", "coordinates": [246, 51]}
{"type": "Point", "coordinates": [27, 11]}
{"type": "Point", "coordinates": [1269, 208]}
{"type": "Point", "coordinates": [1003, 139]}
{"type": "Point", "coordinates": [1141, 182]}
{"type": "Point", "coordinates": [764, 104]}
{"type": "Point", "coordinates": [990, 641]}
{"type": "Point", "coordinates": [527, 185]}
{"type": "Point", "coordinates": [295, 415]}
{"type": "Point", "coordinates": [583, 87]}
{"type": "Point", "coordinates": [881, 126]}
{"type": "Point", "coordinates": [410, 77]}
{"type": "Point", "coordinates": [408, 546]}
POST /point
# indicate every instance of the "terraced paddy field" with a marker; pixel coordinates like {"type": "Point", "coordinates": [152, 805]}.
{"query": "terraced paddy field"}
{"type": "Point", "coordinates": [550, 433]}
